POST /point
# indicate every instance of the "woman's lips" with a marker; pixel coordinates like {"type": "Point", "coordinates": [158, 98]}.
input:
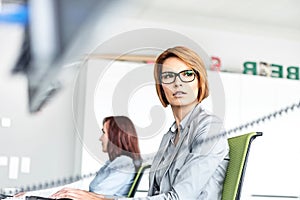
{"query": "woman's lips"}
{"type": "Point", "coordinates": [179, 94]}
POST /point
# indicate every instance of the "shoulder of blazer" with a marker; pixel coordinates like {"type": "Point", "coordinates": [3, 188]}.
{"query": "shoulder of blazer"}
{"type": "Point", "coordinates": [201, 119]}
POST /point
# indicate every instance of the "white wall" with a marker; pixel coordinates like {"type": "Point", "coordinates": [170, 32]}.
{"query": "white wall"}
{"type": "Point", "coordinates": [138, 101]}
{"type": "Point", "coordinates": [273, 163]}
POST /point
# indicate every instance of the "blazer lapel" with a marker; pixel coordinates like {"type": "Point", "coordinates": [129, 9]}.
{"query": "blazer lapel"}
{"type": "Point", "coordinates": [182, 138]}
{"type": "Point", "coordinates": [164, 145]}
{"type": "Point", "coordinates": [158, 157]}
{"type": "Point", "coordinates": [184, 135]}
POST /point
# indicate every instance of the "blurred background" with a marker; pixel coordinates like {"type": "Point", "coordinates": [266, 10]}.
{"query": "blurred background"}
{"type": "Point", "coordinates": [61, 73]}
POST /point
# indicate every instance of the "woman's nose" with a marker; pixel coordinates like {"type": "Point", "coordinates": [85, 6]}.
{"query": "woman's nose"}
{"type": "Point", "coordinates": [177, 81]}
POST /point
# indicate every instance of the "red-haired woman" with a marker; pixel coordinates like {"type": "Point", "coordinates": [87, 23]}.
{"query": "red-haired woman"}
{"type": "Point", "coordinates": [115, 177]}
{"type": "Point", "coordinates": [119, 140]}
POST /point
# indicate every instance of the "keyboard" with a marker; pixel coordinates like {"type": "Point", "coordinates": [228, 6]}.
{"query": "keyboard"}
{"type": "Point", "coordinates": [9, 197]}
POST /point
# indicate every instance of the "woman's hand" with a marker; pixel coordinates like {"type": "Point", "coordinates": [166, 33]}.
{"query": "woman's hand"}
{"type": "Point", "coordinates": [20, 194]}
{"type": "Point", "coordinates": [77, 194]}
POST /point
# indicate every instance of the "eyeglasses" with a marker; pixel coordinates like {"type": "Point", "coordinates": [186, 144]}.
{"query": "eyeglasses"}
{"type": "Point", "coordinates": [170, 77]}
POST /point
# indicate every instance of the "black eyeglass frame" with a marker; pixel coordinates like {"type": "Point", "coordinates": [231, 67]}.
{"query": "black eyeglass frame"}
{"type": "Point", "coordinates": [178, 75]}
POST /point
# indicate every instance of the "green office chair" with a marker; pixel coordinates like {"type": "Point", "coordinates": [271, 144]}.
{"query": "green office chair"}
{"type": "Point", "coordinates": [239, 150]}
{"type": "Point", "coordinates": [137, 180]}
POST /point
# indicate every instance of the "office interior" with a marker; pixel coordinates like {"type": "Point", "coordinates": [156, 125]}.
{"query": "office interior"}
{"type": "Point", "coordinates": [94, 58]}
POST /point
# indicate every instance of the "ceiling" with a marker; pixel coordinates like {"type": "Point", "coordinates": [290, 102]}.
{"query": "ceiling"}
{"type": "Point", "coordinates": [275, 13]}
{"type": "Point", "coordinates": [283, 13]}
{"type": "Point", "coordinates": [281, 17]}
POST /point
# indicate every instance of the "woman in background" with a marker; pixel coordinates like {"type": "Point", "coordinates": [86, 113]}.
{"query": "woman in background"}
{"type": "Point", "coordinates": [120, 141]}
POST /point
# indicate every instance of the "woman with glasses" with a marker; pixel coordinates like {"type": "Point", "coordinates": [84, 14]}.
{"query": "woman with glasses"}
{"type": "Point", "coordinates": [193, 155]}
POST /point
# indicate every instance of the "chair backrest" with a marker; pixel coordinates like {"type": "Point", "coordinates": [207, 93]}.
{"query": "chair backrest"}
{"type": "Point", "coordinates": [239, 150]}
{"type": "Point", "coordinates": [137, 180]}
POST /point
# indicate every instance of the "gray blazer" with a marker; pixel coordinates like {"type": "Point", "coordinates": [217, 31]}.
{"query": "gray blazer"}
{"type": "Point", "coordinates": [196, 169]}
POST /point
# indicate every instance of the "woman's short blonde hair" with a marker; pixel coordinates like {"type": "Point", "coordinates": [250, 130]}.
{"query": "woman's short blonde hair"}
{"type": "Point", "coordinates": [191, 59]}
